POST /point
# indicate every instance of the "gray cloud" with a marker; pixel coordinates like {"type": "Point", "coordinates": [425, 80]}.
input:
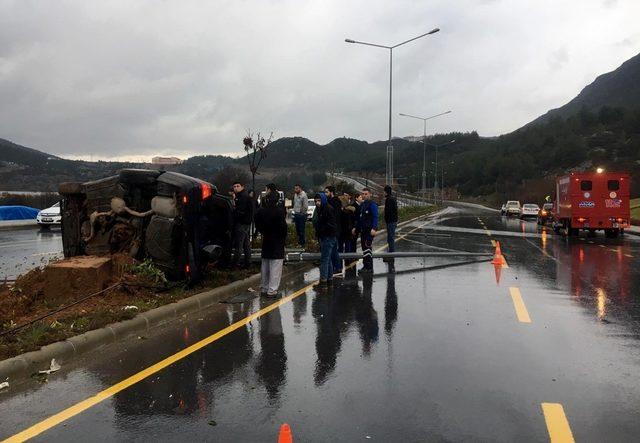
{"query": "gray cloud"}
{"type": "Point", "coordinates": [118, 79]}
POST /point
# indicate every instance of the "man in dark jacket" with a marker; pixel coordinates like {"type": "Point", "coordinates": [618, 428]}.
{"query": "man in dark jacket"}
{"type": "Point", "coordinates": [367, 228]}
{"type": "Point", "coordinates": [270, 222]}
{"type": "Point", "coordinates": [335, 202]}
{"type": "Point", "coordinates": [348, 220]}
{"type": "Point", "coordinates": [242, 218]}
{"type": "Point", "coordinates": [390, 217]}
{"type": "Point", "coordinates": [326, 232]}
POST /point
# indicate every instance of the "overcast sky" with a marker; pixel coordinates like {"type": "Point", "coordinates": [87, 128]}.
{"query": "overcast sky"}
{"type": "Point", "coordinates": [131, 79]}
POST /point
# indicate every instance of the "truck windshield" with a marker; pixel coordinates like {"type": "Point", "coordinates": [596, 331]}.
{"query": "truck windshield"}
{"type": "Point", "coordinates": [586, 185]}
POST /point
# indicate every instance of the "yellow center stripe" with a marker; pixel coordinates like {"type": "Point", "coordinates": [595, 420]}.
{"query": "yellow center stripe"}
{"type": "Point", "coordinates": [557, 423]}
{"type": "Point", "coordinates": [124, 384]}
{"type": "Point", "coordinates": [518, 304]}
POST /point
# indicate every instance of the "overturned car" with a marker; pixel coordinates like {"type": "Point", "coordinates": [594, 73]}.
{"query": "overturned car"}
{"type": "Point", "coordinates": [180, 222]}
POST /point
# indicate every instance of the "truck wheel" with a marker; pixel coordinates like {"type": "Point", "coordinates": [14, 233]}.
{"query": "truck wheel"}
{"type": "Point", "coordinates": [611, 233]}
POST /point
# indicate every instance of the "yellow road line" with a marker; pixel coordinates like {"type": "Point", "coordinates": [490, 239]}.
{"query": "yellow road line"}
{"type": "Point", "coordinates": [82, 406]}
{"type": "Point", "coordinates": [124, 384]}
{"type": "Point", "coordinates": [557, 423]}
{"type": "Point", "coordinates": [518, 304]}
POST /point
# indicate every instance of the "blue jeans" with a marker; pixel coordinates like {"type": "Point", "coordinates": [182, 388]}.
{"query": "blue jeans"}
{"type": "Point", "coordinates": [300, 221]}
{"type": "Point", "coordinates": [391, 236]}
{"type": "Point", "coordinates": [327, 245]}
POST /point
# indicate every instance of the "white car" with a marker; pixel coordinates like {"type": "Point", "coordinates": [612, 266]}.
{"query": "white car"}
{"type": "Point", "coordinates": [49, 217]}
{"type": "Point", "coordinates": [311, 209]}
{"type": "Point", "coordinates": [512, 208]}
{"type": "Point", "coordinates": [529, 210]}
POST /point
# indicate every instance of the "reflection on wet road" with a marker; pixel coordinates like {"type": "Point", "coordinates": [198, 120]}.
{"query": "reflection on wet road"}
{"type": "Point", "coordinates": [545, 348]}
{"type": "Point", "coordinates": [25, 249]}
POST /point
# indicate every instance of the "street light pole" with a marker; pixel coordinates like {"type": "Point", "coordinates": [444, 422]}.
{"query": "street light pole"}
{"type": "Point", "coordinates": [424, 147]}
{"type": "Point", "coordinates": [389, 172]}
{"type": "Point", "coordinates": [435, 185]}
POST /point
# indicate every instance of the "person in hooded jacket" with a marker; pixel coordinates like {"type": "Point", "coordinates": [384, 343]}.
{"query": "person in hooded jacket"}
{"type": "Point", "coordinates": [326, 226]}
{"type": "Point", "coordinates": [271, 224]}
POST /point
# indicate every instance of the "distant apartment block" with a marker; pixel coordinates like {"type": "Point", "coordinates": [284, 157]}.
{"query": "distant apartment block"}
{"type": "Point", "coordinates": [166, 161]}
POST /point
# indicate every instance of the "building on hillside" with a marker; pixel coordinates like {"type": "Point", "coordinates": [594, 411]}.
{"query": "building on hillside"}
{"type": "Point", "coordinates": [166, 161]}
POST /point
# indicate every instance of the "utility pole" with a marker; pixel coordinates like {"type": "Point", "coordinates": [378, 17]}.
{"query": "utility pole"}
{"type": "Point", "coordinates": [389, 171]}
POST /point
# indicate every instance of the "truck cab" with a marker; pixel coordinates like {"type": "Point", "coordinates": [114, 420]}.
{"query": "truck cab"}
{"type": "Point", "coordinates": [593, 201]}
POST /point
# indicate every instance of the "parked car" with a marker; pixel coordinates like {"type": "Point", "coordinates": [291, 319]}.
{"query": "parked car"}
{"type": "Point", "coordinates": [180, 222]}
{"type": "Point", "coordinates": [512, 208]}
{"type": "Point", "coordinates": [529, 210]}
{"type": "Point", "coordinates": [311, 208]}
{"type": "Point", "coordinates": [49, 217]}
{"type": "Point", "coordinates": [503, 209]}
{"type": "Point", "coordinates": [545, 214]}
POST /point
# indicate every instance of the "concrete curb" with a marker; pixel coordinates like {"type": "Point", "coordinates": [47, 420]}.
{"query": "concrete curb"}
{"type": "Point", "coordinates": [18, 224]}
{"type": "Point", "coordinates": [22, 366]}
{"type": "Point", "coordinates": [632, 232]}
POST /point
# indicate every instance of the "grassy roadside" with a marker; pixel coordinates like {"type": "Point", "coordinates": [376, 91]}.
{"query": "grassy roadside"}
{"type": "Point", "coordinates": [95, 313]}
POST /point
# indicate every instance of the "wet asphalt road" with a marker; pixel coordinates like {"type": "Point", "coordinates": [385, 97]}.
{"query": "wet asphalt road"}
{"type": "Point", "coordinates": [423, 355]}
{"type": "Point", "coordinates": [25, 249]}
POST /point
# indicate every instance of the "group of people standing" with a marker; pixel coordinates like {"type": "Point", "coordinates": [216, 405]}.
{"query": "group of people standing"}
{"type": "Point", "coordinates": [338, 222]}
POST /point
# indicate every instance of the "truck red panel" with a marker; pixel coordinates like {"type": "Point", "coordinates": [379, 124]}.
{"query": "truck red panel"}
{"type": "Point", "coordinates": [591, 200]}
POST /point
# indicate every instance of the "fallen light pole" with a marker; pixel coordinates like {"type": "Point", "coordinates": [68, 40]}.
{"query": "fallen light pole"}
{"type": "Point", "coordinates": [315, 256]}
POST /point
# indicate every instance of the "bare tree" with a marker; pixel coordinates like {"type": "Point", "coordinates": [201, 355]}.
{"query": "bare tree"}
{"type": "Point", "coordinates": [256, 149]}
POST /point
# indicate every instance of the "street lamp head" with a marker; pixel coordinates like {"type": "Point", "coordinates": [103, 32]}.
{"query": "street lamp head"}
{"type": "Point", "coordinates": [448, 112]}
{"type": "Point", "coordinates": [348, 40]}
{"type": "Point", "coordinates": [434, 31]}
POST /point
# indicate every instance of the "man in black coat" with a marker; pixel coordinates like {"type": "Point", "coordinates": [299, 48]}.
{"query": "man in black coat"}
{"type": "Point", "coordinates": [242, 217]}
{"type": "Point", "coordinates": [390, 217]}
{"type": "Point", "coordinates": [271, 224]}
{"type": "Point", "coordinates": [326, 225]}
{"type": "Point", "coordinates": [336, 204]}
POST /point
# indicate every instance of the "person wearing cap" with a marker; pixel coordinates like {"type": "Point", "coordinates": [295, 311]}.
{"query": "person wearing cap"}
{"type": "Point", "coordinates": [390, 217]}
{"type": "Point", "coordinates": [271, 224]}
{"type": "Point", "coordinates": [326, 231]}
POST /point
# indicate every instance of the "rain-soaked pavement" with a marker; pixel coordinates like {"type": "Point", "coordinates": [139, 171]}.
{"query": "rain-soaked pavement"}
{"type": "Point", "coordinates": [25, 249]}
{"type": "Point", "coordinates": [430, 353]}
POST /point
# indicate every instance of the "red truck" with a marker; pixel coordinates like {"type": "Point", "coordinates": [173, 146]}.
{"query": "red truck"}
{"type": "Point", "coordinates": [592, 201]}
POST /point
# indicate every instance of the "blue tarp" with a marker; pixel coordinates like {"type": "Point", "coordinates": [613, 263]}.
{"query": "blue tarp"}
{"type": "Point", "coordinates": [18, 213]}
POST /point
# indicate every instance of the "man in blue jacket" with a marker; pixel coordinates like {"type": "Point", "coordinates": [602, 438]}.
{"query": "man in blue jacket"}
{"type": "Point", "coordinates": [367, 227]}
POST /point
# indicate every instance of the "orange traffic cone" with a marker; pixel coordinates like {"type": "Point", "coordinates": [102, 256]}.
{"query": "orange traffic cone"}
{"type": "Point", "coordinates": [498, 259]}
{"type": "Point", "coordinates": [498, 271]}
{"type": "Point", "coordinates": [285, 434]}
